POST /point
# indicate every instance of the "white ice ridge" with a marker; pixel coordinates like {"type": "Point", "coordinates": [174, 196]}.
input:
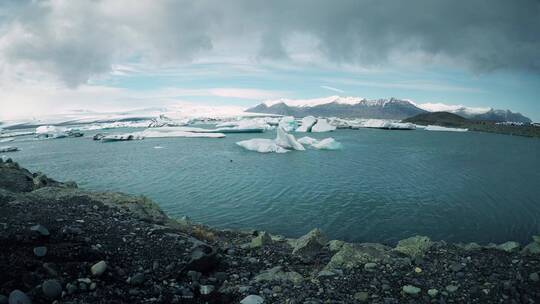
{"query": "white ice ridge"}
{"type": "Point", "coordinates": [439, 128]}
{"type": "Point", "coordinates": [324, 144]}
{"type": "Point", "coordinates": [322, 125]}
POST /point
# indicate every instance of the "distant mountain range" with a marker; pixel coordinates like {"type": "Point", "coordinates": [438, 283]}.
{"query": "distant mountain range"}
{"type": "Point", "coordinates": [356, 107]}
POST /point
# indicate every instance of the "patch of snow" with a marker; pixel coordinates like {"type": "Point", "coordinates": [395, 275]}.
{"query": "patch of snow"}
{"type": "Point", "coordinates": [439, 128]}
{"type": "Point", "coordinates": [315, 101]}
{"type": "Point", "coordinates": [322, 125]}
{"type": "Point", "coordinates": [441, 107]}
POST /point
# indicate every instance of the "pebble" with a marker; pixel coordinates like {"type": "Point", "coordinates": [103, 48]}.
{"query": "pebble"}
{"type": "Point", "coordinates": [534, 277]}
{"type": "Point", "coordinates": [40, 229]}
{"type": "Point", "coordinates": [137, 279]}
{"type": "Point", "coordinates": [51, 289]}
{"type": "Point", "coordinates": [252, 299]}
{"type": "Point", "coordinates": [433, 292]}
{"type": "Point", "coordinates": [361, 296]}
{"type": "Point", "coordinates": [19, 297]}
{"type": "Point", "coordinates": [40, 251]}
{"type": "Point", "coordinates": [206, 289]}
{"type": "Point", "coordinates": [417, 269]}
{"type": "Point", "coordinates": [98, 268]}
{"type": "Point", "coordinates": [452, 288]}
{"type": "Point", "coordinates": [369, 266]}
{"type": "Point", "coordinates": [410, 289]}
{"type": "Point", "coordinates": [71, 288]}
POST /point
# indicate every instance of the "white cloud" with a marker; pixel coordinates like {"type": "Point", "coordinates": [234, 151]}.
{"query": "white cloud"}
{"type": "Point", "coordinates": [332, 89]}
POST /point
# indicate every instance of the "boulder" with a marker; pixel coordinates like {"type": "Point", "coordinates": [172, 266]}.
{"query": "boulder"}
{"type": "Point", "coordinates": [352, 256]}
{"type": "Point", "coordinates": [261, 240]}
{"type": "Point", "coordinates": [415, 246]}
{"type": "Point", "coordinates": [310, 244]}
{"type": "Point", "coordinates": [509, 246]}
{"type": "Point", "coordinates": [203, 259]}
{"type": "Point", "coordinates": [532, 248]}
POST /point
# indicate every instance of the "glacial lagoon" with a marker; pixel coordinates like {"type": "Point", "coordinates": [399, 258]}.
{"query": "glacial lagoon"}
{"type": "Point", "coordinates": [381, 187]}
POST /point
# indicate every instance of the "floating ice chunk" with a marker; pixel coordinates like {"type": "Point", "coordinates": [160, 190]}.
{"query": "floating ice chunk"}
{"type": "Point", "coordinates": [287, 141]}
{"type": "Point", "coordinates": [8, 149]}
{"type": "Point", "coordinates": [120, 137]}
{"type": "Point", "coordinates": [288, 123]}
{"type": "Point", "coordinates": [6, 140]}
{"type": "Point", "coordinates": [51, 132]}
{"type": "Point", "coordinates": [158, 147]}
{"type": "Point", "coordinates": [307, 140]}
{"type": "Point", "coordinates": [327, 144]}
{"type": "Point", "coordinates": [322, 125]}
{"type": "Point", "coordinates": [262, 145]}
{"type": "Point", "coordinates": [439, 128]}
{"type": "Point", "coordinates": [307, 124]}
{"type": "Point", "coordinates": [246, 125]}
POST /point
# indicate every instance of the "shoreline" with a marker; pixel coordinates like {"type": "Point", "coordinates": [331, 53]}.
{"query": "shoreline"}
{"type": "Point", "coordinates": [72, 245]}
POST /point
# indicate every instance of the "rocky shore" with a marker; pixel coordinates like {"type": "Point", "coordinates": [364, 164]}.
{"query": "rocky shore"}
{"type": "Point", "coordinates": [62, 244]}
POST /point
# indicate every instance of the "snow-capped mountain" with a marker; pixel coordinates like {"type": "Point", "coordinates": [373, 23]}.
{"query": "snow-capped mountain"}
{"type": "Point", "coordinates": [392, 108]}
{"type": "Point", "coordinates": [337, 106]}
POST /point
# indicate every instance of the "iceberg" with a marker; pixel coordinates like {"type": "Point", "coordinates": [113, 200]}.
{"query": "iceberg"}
{"type": "Point", "coordinates": [261, 145]}
{"type": "Point", "coordinates": [8, 149]}
{"type": "Point", "coordinates": [56, 132]}
{"type": "Point", "coordinates": [439, 128]}
{"type": "Point", "coordinates": [287, 141]}
{"type": "Point", "coordinates": [327, 144]}
{"type": "Point", "coordinates": [288, 123]}
{"type": "Point", "coordinates": [306, 124]}
{"type": "Point", "coordinates": [322, 125]}
{"type": "Point", "coordinates": [324, 144]}
{"type": "Point", "coordinates": [307, 140]}
{"type": "Point", "coordinates": [384, 124]}
{"type": "Point", "coordinates": [120, 137]}
{"type": "Point", "coordinates": [178, 132]}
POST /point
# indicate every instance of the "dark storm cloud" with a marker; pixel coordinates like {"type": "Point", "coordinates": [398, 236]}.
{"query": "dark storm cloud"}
{"type": "Point", "coordinates": [78, 39]}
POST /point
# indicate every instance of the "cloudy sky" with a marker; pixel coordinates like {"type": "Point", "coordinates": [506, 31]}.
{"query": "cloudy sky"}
{"type": "Point", "coordinates": [64, 55]}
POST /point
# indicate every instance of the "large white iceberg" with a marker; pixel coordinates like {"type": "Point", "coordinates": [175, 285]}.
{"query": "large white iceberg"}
{"type": "Point", "coordinates": [287, 141]}
{"type": "Point", "coordinates": [322, 125]}
{"type": "Point", "coordinates": [262, 145]}
{"type": "Point", "coordinates": [281, 144]}
{"type": "Point", "coordinates": [306, 124]}
{"type": "Point", "coordinates": [324, 144]}
{"type": "Point", "coordinates": [439, 128]}
{"type": "Point", "coordinates": [383, 124]}
{"type": "Point", "coordinates": [288, 123]}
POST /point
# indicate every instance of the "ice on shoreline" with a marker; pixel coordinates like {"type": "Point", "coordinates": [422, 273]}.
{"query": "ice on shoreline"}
{"type": "Point", "coordinates": [439, 128]}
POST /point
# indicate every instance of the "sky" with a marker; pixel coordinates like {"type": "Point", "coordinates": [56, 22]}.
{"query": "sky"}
{"type": "Point", "coordinates": [65, 55]}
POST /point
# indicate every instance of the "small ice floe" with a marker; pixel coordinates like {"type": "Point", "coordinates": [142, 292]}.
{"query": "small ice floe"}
{"type": "Point", "coordinates": [158, 147]}
{"type": "Point", "coordinates": [306, 124]}
{"type": "Point", "coordinates": [8, 149]}
{"type": "Point", "coordinates": [323, 144]}
{"type": "Point", "coordinates": [439, 128]}
{"type": "Point", "coordinates": [322, 125]}
{"type": "Point", "coordinates": [6, 140]}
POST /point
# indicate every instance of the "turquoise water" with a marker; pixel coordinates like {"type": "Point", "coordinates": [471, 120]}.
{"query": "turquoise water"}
{"type": "Point", "coordinates": [383, 186]}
